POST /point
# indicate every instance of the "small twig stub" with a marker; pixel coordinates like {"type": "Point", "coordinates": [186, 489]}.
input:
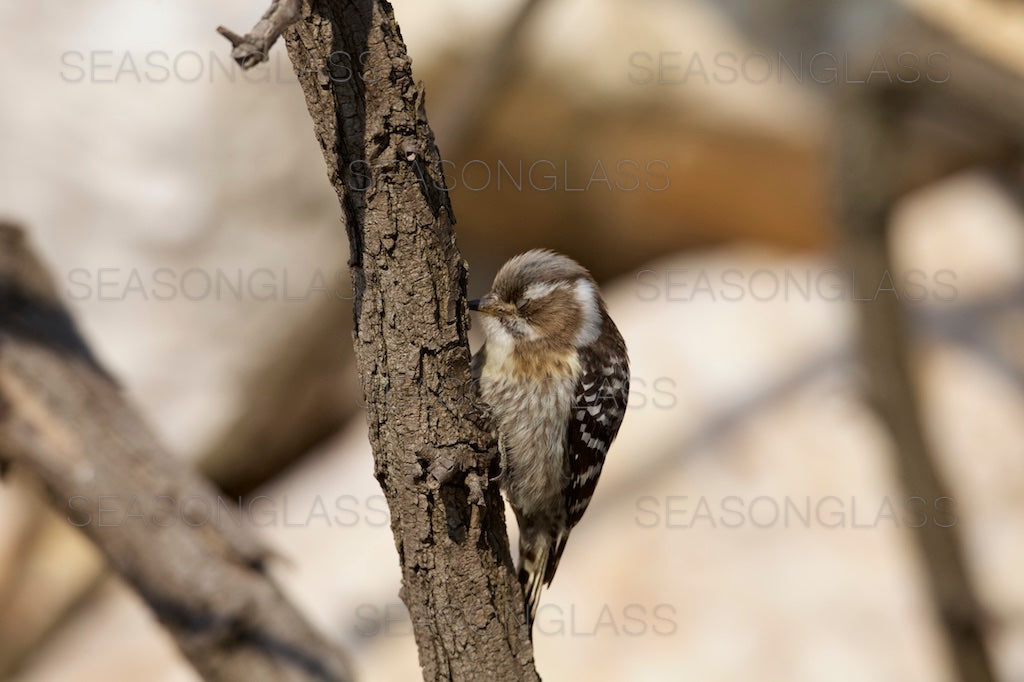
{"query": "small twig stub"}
{"type": "Point", "coordinates": [253, 48]}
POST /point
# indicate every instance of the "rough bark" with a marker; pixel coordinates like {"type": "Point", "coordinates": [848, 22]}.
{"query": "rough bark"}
{"type": "Point", "coordinates": [65, 419]}
{"type": "Point", "coordinates": [434, 455]}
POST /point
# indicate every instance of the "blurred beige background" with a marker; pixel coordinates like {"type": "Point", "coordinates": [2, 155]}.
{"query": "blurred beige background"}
{"type": "Point", "coordinates": [742, 529]}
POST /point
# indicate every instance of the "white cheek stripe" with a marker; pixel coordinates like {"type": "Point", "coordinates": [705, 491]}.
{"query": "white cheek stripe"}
{"type": "Point", "coordinates": [590, 328]}
{"type": "Point", "coordinates": [501, 339]}
{"type": "Point", "coordinates": [540, 290]}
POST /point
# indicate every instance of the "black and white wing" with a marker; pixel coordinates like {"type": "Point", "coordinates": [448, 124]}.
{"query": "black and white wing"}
{"type": "Point", "coordinates": [601, 395]}
{"type": "Point", "coordinates": [600, 404]}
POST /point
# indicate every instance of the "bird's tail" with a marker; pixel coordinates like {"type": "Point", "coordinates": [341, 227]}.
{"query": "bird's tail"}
{"type": "Point", "coordinates": [538, 560]}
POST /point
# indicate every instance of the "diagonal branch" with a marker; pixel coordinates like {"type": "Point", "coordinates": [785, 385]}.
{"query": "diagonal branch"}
{"type": "Point", "coordinates": [301, 394]}
{"type": "Point", "coordinates": [63, 418]}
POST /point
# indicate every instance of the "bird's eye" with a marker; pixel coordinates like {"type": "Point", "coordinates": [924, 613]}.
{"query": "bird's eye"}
{"type": "Point", "coordinates": [521, 303]}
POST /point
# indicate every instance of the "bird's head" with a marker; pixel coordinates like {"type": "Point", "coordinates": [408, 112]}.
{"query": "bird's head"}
{"type": "Point", "coordinates": [544, 299]}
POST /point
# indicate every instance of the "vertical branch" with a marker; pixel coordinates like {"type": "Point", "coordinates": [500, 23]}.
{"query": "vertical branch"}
{"type": "Point", "coordinates": [433, 453]}
{"type": "Point", "coordinates": [869, 158]}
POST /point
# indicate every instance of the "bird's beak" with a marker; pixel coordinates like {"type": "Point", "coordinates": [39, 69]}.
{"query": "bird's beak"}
{"type": "Point", "coordinates": [487, 305]}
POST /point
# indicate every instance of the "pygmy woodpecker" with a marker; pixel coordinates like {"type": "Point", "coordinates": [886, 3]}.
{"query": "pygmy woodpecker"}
{"type": "Point", "coordinates": [555, 376]}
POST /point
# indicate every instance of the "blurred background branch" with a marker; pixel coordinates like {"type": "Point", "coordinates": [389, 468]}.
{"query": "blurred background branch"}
{"type": "Point", "coordinates": [302, 394]}
{"type": "Point", "coordinates": [64, 419]}
{"type": "Point", "coordinates": [464, 113]}
{"type": "Point", "coordinates": [871, 161]}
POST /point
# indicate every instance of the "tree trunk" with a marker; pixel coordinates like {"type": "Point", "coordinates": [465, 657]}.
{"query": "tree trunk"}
{"type": "Point", "coordinates": [434, 454]}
